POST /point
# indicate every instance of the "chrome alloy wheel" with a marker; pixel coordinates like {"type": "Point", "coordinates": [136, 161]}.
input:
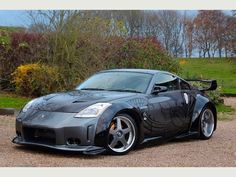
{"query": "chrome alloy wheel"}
{"type": "Point", "coordinates": [207, 123]}
{"type": "Point", "coordinates": [122, 134]}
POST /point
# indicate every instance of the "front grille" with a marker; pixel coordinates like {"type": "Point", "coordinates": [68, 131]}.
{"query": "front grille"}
{"type": "Point", "coordinates": [39, 135]}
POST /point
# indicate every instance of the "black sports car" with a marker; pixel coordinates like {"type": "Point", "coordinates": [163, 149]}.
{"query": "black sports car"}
{"type": "Point", "coordinates": [115, 110]}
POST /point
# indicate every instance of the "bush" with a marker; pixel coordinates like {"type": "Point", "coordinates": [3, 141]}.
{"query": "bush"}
{"type": "Point", "coordinates": [95, 54]}
{"type": "Point", "coordinates": [36, 79]}
{"type": "Point", "coordinates": [143, 53]}
{"type": "Point", "coordinates": [17, 48]}
{"type": "Point", "coordinates": [77, 56]}
{"type": "Point", "coordinates": [215, 96]}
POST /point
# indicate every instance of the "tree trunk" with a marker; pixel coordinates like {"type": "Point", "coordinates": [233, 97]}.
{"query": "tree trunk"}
{"type": "Point", "coordinates": [186, 52]}
{"type": "Point", "coordinates": [190, 53]}
{"type": "Point", "coordinates": [220, 53]}
{"type": "Point", "coordinates": [226, 54]}
{"type": "Point", "coordinates": [208, 53]}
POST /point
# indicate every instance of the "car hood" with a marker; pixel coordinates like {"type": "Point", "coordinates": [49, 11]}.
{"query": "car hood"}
{"type": "Point", "coordinates": [77, 100]}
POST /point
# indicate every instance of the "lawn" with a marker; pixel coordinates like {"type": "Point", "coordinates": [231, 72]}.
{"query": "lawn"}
{"type": "Point", "coordinates": [12, 101]}
{"type": "Point", "coordinates": [224, 109]}
{"type": "Point", "coordinates": [225, 112]}
{"type": "Point", "coordinates": [223, 70]}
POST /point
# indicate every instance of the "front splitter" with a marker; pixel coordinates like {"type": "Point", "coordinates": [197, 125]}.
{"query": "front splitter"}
{"type": "Point", "coordinates": [90, 150]}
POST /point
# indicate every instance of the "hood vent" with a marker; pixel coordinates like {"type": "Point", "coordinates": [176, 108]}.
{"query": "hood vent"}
{"type": "Point", "coordinates": [78, 101]}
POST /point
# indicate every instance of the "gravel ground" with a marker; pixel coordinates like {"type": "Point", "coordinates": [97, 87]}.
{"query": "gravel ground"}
{"type": "Point", "coordinates": [230, 101]}
{"type": "Point", "coordinates": [219, 151]}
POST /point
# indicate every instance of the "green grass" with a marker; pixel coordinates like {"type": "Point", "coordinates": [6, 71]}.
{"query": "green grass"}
{"type": "Point", "coordinates": [224, 109]}
{"type": "Point", "coordinates": [12, 101]}
{"type": "Point", "coordinates": [223, 70]}
{"type": "Point", "coordinates": [229, 90]}
{"type": "Point", "coordinates": [225, 113]}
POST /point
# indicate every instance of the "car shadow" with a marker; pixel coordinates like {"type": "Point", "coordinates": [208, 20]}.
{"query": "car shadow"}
{"type": "Point", "coordinates": [152, 144]}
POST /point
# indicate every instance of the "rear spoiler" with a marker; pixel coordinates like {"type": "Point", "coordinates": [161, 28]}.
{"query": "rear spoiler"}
{"type": "Point", "coordinates": [212, 84]}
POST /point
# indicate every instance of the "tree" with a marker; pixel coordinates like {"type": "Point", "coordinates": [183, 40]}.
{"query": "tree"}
{"type": "Point", "coordinates": [170, 31]}
{"type": "Point", "coordinates": [188, 36]}
{"type": "Point", "coordinates": [166, 26]}
{"type": "Point", "coordinates": [218, 25]}
{"type": "Point", "coordinates": [229, 36]}
{"type": "Point", "coordinates": [214, 31]}
{"type": "Point", "coordinates": [75, 40]}
{"type": "Point", "coordinates": [204, 33]}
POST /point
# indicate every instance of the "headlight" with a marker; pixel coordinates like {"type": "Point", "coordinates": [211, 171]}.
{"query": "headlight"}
{"type": "Point", "coordinates": [28, 105]}
{"type": "Point", "coordinates": [94, 110]}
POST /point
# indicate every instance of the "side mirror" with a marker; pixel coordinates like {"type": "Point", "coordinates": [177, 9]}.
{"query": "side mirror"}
{"type": "Point", "coordinates": [157, 89]}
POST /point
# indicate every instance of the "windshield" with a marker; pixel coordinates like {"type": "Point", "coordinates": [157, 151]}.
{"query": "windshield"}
{"type": "Point", "coordinates": [117, 81]}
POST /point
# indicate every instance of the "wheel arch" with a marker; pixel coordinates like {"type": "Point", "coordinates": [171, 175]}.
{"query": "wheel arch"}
{"type": "Point", "coordinates": [201, 103]}
{"type": "Point", "coordinates": [212, 107]}
{"type": "Point", "coordinates": [138, 120]}
{"type": "Point", "coordinates": [104, 121]}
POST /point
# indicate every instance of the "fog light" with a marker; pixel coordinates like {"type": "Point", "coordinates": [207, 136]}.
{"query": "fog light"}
{"type": "Point", "coordinates": [70, 141]}
{"type": "Point", "coordinates": [73, 141]}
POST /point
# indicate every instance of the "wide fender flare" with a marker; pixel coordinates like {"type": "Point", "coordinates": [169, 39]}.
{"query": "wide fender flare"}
{"type": "Point", "coordinates": [102, 127]}
{"type": "Point", "coordinates": [201, 103]}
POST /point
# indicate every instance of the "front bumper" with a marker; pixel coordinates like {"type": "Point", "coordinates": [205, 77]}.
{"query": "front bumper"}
{"type": "Point", "coordinates": [57, 130]}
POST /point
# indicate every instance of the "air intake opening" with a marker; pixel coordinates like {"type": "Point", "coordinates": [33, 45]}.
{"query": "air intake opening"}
{"type": "Point", "coordinates": [18, 134]}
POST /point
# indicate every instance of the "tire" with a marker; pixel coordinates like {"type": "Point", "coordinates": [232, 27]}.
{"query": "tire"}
{"type": "Point", "coordinates": [122, 135]}
{"type": "Point", "coordinates": [207, 123]}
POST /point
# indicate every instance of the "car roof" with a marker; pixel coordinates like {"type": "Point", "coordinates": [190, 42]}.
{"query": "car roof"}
{"type": "Point", "coordinates": [148, 71]}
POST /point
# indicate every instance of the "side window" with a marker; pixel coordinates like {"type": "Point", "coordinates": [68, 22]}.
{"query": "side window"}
{"type": "Point", "coordinates": [184, 85]}
{"type": "Point", "coordinates": [170, 81]}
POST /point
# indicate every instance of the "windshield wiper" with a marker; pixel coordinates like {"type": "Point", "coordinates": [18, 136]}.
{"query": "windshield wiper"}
{"type": "Point", "coordinates": [92, 89]}
{"type": "Point", "coordinates": [125, 90]}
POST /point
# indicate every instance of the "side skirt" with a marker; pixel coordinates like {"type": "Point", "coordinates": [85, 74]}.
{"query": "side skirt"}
{"type": "Point", "coordinates": [188, 135]}
{"type": "Point", "coordinates": [184, 135]}
{"type": "Point", "coordinates": [151, 139]}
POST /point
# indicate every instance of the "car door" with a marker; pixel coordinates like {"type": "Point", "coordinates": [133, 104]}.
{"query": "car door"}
{"type": "Point", "coordinates": [166, 111]}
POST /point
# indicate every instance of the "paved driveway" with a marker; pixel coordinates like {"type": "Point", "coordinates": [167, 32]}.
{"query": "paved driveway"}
{"type": "Point", "coordinates": [220, 150]}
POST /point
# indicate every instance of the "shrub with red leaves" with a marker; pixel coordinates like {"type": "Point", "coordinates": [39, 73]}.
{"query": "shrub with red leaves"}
{"type": "Point", "coordinates": [22, 47]}
{"type": "Point", "coordinates": [17, 38]}
{"type": "Point", "coordinates": [142, 53]}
